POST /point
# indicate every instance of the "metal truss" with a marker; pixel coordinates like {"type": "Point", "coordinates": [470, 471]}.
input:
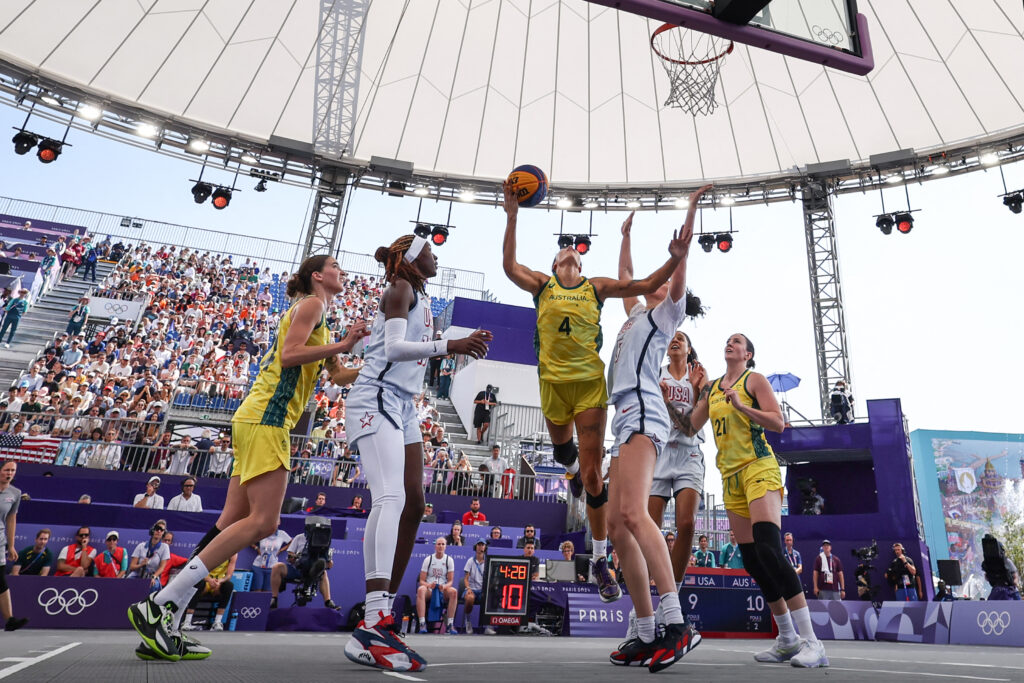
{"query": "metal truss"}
{"type": "Point", "coordinates": [323, 236]}
{"type": "Point", "coordinates": [826, 289]}
{"type": "Point", "coordinates": [339, 57]}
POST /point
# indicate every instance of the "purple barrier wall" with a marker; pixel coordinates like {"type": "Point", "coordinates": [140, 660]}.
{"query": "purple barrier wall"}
{"type": "Point", "coordinates": [65, 228]}
{"type": "Point", "coordinates": [833, 477]}
{"type": "Point", "coordinates": [513, 328]}
{"type": "Point", "coordinates": [915, 622]}
{"type": "Point", "coordinates": [55, 602]}
{"type": "Point", "coordinates": [843, 619]}
{"type": "Point", "coordinates": [987, 623]}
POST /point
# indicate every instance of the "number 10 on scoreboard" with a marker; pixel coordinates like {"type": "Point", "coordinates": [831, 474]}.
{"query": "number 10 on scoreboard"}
{"type": "Point", "coordinates": [506, 591]}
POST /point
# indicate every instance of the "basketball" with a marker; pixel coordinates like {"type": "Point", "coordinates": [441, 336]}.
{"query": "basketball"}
{"type": "Point", "coordinates": [529, 183]}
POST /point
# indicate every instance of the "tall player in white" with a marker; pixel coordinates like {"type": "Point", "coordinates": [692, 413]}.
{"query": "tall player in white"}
{"type": "Point", "coordinates": [382, 427]}
{"type": "Point", "coordinates": [641, 428]}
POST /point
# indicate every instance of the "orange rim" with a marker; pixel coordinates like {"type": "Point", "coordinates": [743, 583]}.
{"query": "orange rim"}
{"type": "Point", "coordinates": [668, 27]}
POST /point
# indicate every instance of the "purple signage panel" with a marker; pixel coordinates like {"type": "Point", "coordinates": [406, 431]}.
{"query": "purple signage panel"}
{"type": "Point", "coordinates": [62, 602]}
{"type": "Point", "coordinates": [252, 609]}
{"type": "Point", "coordinates": [843, 619]}
{"type": "Point", "coordinates": [914, 622]}
{"type": "Point", "coordinates": [588, 616]}
{"type": "Point", "coordinates": [998, 622]}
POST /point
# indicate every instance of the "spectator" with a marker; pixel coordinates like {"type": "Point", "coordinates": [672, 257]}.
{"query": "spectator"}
{"type": "Point", "coordinates": [357, 503]}
{"type": "Point", "coordinates": [841, 404]}
{"type": "Point", "coordinates": [703, 556]}
{"type": "Point", "coordinates": [72, 357]}
{"type": "Point", "coordinates": [300, 568]}
{"type": "Point", "coordinates": [474, 517]}
{"type": "Point", "coordinates": [793, 555]}
{"type": "Point", "coordinates": [182, 457]}
{"type": "Point", "coordinates": [902, 575]}
{"type": "Point", "coordinates": [35, 560]}
{"type": "Point", "coordinates": [730, 554]}
{"type": "Point", "coordinates": [473, 576]}
{"type": "Point", "coordinates": [188, 500]}
{"type": "Point", "coordinates": [428, 513]}
{"type": "Point", "coordinates": [348, 467]}
{"type": "Point", "coordinates": [267, 552]}
{"type": "Point", "coordinates": [13, 310]}
{"type": "Point", "coordinates": [217, 588]}
{"type": "Point", "coordinates": [829, 583]}
{"type": "Point", "coordinates": [496, 467]}
{"type": "Point", "coordinates": [220, 459]}
{"type": "Point", "coordinates": [528, 551]}
{"type": "Point", "coordinates": [150, 558]}
{"type": "Point", "coordinates": [85, 499]}
{"type": "Point", "coordinates": [616, 567]}
{"type": "Point", "coordinates": [77, 318]}
{"type": "Point", "coordinates": [670, 541]}
{"type": "Point", "coordinates": [319, 502]}
{"type": "Point", "coordinates": [529, 534]}
{"type": "Point", "coordinates": [10, 499]}
{"type": "Point", "coordinates": [150, 499]}
{"type": "Point", "coordinates": [434, 367]}
{"type": "Point", "coordinates": [454, 537]}
{"type": "Point", "coordinates": [76, 559]}
{"type": "Point", "coordinates": [437, 572]}
{"type": "Point", "coordinates": [175, 562]}
{"type": "Point", "coordinates": [112, 563]}
{"type": "Point", "coordinates": [494, 535]}
{"type": "Point", "coordinates": [813, 503]}
{"type": "Point", "coordinates": [484, 401]}
{"type": "Point", "coordinates": [582, 565]}
{"type": "Point", "coordinates": [447, 371]}
{"type": "Point", "coordinates": [105, 455]}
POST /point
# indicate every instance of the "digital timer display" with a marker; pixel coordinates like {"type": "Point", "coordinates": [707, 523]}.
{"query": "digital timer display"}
{"type": "Point", "coordinates": [507, 586]}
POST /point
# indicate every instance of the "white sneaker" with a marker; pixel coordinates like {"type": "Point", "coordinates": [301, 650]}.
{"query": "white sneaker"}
{"type": "Point", "coordinates": [781, 651]}
{"type": "Point", "coordinates": [488, 631]}
{"type": "Point", "coordinates": [7, 346]}
{"type": "Point", "coordinates": [189, 627]}
{"type": "Point", "coordinates": [811, 655]}
{"type": "Point", "coordinates": [468, 629]}
{"type": "Point", "coordinates": [218, 626]}
{"type": "Point", "coordinates": [631, 630]}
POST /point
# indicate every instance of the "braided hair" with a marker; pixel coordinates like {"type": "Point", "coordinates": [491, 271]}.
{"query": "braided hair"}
{"type": "Point", "coordinates": [395, 265]}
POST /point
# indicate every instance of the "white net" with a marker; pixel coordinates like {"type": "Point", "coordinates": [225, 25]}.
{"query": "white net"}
{"type": "Point", "coordinates": [692, 60]}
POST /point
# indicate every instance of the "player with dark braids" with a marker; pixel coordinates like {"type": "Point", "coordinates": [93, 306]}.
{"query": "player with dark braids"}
{"type": "Point", "coordinates": [383, 427]}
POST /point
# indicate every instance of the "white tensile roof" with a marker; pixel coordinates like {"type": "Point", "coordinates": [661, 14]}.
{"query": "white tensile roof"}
{"type": "Point", "coordinates": [471, 88]}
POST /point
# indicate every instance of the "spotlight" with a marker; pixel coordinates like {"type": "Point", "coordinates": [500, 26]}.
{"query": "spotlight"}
{"type": "Point", "coordinates": [564, 203]}
{"type": "Point", "coordinates": [422, 230]}
{"type": "Point", "coordinates": [439, 235]}
{"type": "Point", "coordinates": [49, 150]}
{"type": "Point", "coordinates": [261, 186]}
{"type": "Point", "coordinates": [724, 241]}
{"type": "Point", "coordinates": [421, 191]}
{"type": "Point", "coordinates": [706, 242]}
{"type": "Point", "coordinates": [248, 158]}
{"type": "Point", "coordinates": [198, 145]}
{"type": "Point", "coordinates": [904, 222]}
{"type": "Point", "coordinates": [590, 204]}
{"type": "Point", "coordinates": [1014, 201]}
{"type": "Point", "coordinates": [564, 241]}
{"type": "Point", "coordinates": [90, 112]}
{"type": "Point", "coordinates": [884, 223]}
{"type": "Point", "coordinates": [221, 198]}
{"type": "Point", "coordinates": [24, 141]}
{"type": "Point", "coordinates": [397, 185]}
{"type": "Point", "coordinates": [201, 192]}
{"type": "Point", "coordinates": [582, 244]}
{"type": "Point", "coordinates": [632, 204]}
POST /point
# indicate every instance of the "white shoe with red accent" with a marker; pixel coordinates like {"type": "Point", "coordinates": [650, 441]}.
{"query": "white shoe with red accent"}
{"type": "Point", "coordinates": [382, 648]}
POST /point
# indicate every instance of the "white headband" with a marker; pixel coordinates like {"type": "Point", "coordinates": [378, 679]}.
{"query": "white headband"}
{"type": "Point", "coordinates": [413, 252]}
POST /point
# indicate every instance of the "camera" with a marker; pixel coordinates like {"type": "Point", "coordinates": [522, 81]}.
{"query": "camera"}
{"type": "Point", "coordinates": [811, 502]}
{"type": "Point", "coordinates": [312, 563]}
{"type": "Point", "coordinates": [866, 590]}
{"type": "Point", "coordinates": [867, 553]}
{"type": "Point", "coordinates": [994, 562]}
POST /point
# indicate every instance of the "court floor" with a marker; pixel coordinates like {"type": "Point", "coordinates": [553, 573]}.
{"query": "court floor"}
{"type": "Point", "coordinates": [108, 656]}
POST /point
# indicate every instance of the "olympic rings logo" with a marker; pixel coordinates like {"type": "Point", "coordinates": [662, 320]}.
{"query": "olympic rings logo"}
{"type": "Point", "coordinates": [250, 612]}
{"type": "Point", "coordinates": [115, 308]}
{"type": "Point", "coordinates": [69, 600]}
{"type": "Point", "coordinates": [826, 35]}
{"type": "Point", "coordinates": [993, 623]}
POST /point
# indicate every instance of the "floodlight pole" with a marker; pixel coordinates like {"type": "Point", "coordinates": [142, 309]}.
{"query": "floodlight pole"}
{"type": "Point", "coordinates": [339, 57]}
{"type": "Point", "coordinates": [323, 235]}
{"type": "Point", "coordinates": [826, 290]}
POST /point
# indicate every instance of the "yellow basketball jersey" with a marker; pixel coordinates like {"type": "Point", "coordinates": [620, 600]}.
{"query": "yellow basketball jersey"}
{"type": "Point", "coordinates": [279, 395]}
{"type": "Point", "coordinates": [739, 441]}
{"type": "Point", "coordinates": [568, 336]}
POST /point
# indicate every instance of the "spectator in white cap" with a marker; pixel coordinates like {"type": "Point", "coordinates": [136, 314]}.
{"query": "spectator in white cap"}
{"type": "Point", "coordinates": [150, 499]}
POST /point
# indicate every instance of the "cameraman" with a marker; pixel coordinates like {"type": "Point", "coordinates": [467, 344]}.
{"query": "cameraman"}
{"type": "Point", "coordinates": [301, 568]}
{"type": "Point", "coordinates": [1000, 571]}
{"type": "Point", "coordinates": [902, 575]}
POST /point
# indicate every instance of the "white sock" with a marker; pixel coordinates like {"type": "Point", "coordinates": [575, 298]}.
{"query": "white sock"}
{"type": "Point", "coordinates": [670, 608]}
{"type": "Point", "coordinates": [180, 613]}
{"type": "Point", "coordinates": [600, 548]}
{"type": "Point", "coordinates": [645, 628]}
{"type": "Point", "coordinates": [659, 613]}
{"type": "Point", "coordinates": [180, 589]}
{"type": "Point", "coordinates": [574, 468]}
{"type": "Point", "coordinates": [786, 630]}
{"type": "Point", "coordinates": [188, 619]}
{"type": "Point", "coordinates": [679, 586]}
{"type": "Point", "coordinates": [391, 603]}
{"type": "Point", "coordinates": [802, 619]}
{"type": "Point", "coordinates": [376, 602]}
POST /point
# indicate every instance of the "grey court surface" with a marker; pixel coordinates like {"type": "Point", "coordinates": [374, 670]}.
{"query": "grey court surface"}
{"type": "Point", "coordinates": [106, 657]}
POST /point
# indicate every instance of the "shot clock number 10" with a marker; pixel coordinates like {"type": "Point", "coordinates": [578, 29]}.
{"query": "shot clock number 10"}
{"type": "Point", "coordinates": [506, 590]}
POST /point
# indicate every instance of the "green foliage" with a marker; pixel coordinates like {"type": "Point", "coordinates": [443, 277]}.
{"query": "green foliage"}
{"type": "Point", "coordinates": [1012, 536]}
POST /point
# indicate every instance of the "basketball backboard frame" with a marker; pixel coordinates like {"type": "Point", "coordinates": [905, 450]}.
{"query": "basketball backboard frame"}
{"type": "Point", "coordinates": [782, 27]}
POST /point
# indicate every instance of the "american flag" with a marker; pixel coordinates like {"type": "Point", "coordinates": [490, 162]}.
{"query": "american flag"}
{"type": "Point", "coordinates": [42, 449]}
{"type": "Point", "coordinates": [689, 580]}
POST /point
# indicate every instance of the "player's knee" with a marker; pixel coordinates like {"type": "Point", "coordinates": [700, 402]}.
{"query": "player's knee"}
{"type": "Point", "coordinates": [684, 531]}
{"type": "Point", "coordinates": [592, 480]}
{"type": "Point", "coordinates": [565, 453]}
{"type": "Point", "coordinates": [768, 542]}
{"type": "Point", "coordinates": [633, 516]}
{"type": "Point", "coordinates": [600, 499]}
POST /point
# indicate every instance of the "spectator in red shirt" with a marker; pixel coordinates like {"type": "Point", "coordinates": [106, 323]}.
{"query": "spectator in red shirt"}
{"type": "Point", "coordinates": [357, 503]}
{"type": "Point", "coordinates": [76, 559]}
{"type": "Point", "coordinates": [173, 563]}
{"type": "Point", "coordinates": [112, 563]}
{"type": "Point", "coordinates": [474, 517]}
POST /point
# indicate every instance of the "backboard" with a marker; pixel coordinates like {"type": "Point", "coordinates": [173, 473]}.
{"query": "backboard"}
{"type": "Point", "coordinates": [828, 32]}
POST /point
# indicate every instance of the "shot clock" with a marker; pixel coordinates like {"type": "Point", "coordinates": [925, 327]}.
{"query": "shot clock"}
{"type": "Point", "coordinates": [506, 590]}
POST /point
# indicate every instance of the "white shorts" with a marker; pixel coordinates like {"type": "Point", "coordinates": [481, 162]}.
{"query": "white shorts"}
{"type": "Point", "coordinates": [370, 405]}
{"type": "Point", "coordinates": [678, 467]}
{"type": "Point", "coordinates": [633, 416]}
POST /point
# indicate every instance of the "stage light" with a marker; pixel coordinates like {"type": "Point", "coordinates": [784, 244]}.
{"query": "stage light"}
{"type": "Point", "coordinates": [90, 112]}
{"type": "Point", "coordinates": [582, 244]}
{"type": "Point", "coordinates": [706, 242]}
{"type": "Point", "coordinates": [201, 192]}
{"type": "Point", "coordinates": [51, 100]}
{"type": "Point", "coordinates": [884, 223]}
{"type": "Point", "coordinates": [198, 145]}
{"type": "Point", "coordinates": [989, 158]}
{"type": "Point", "coordinates": [49, 150]}
{"type": "Point", "coordinates": [439, 235]}
{"type": "Point", "coordinates": [399, 188]}
{"type": "Point", "coordinates": [147, 130]}
{"type": "Point", "coordinates": [904, 222]}
{"type": "Point", "coordinates": [564, 203]}
{"type": "Point", "coordinates": [682, 203]}
{"type": "Point", "coordinates": [467, 196]}
{"type": "Point", "coordinates": [421, 191]}
{"type": "Point", "coordinates": [633, 204]}
{"type": "Point", "coordinates": [249, 158]}
{"type": "Point", "coordinates": [24, 141]}
{"type": "Point", "coordinates": [724, 241]}
{"type": "Point", "coordinates": [565, 241]}
{"type": "Point", "coordinates": [728, 201]}
{"type": "Point", "coordinates": [940, 170]}
{"type": "Point", "coordinates": [422, 230]}
{"type": "Point", "coordinates": [261, 186]}
{"type": "Point", "coordinates": [590, 204]}
{"type": "Point", "coordinates": [894, 178]}
{"type": "Point", "coordinates": [1014, 202]}
{"type": "Point", "coordinates": [221, 198]}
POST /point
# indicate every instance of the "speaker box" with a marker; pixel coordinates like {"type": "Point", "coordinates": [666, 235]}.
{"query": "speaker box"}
{"type": "Point", "coordinates": [949, 571]}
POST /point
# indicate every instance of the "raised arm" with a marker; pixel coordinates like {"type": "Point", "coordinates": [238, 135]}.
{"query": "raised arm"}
{"type": "Point", "coordinates": [524, 278]}
{"type": "Point", "coordinates": [626, 261]}
{"type": "Point", "coordinates": [677, 288]}
{"type": "Point", "coordinates": [305, 317]}
{"type": "Point", "coordinates": [607, 288]}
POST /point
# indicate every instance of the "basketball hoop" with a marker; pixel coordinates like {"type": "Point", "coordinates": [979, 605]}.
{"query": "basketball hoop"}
{"type": "Point", "coordinates": [691, 60]}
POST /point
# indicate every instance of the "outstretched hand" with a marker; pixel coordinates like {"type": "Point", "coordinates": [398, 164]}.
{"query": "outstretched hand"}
{"type": "Point", "coordinates": [474, 345]}
{"type": "Point", "coordinates": [627, 224]}
{"type": "Point", "coordinates": [510, 200]}
{"type": "Point", "coordinates": [695, 197]}
{"type": "Point", "coordinates": [355, 332]}
{"type": "Point", "coordinates": [679, 245]}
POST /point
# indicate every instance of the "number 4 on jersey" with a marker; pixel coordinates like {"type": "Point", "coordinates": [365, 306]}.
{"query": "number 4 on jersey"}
{"type": "Point", "coordinates": [565, 328]}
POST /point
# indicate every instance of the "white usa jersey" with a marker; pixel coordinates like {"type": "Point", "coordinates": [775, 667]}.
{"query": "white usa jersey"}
{"type": "Point", "coordinates": [681, 398]}
{"type": "Point", "coordinates": [437, 569]}
{"type": "Point", "coordinates": [404, 376]}
{"type": "Point", "coordinates": [640, 348]}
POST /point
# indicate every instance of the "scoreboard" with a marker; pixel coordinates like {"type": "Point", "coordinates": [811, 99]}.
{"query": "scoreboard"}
{"type": "Point", "coordinates": [506, 590]}
{"type": "Point", "coordinates": [725, 603]}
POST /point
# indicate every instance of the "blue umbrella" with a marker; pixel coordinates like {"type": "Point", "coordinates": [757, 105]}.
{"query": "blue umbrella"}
{"type": "Point", "coordinates": [784, 382]}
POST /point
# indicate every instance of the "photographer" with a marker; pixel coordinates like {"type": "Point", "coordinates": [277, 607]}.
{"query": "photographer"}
{"type": "Point", "coordinates": [902, 575]}
{"type": "Point", "coordinates": [305, 566]}
{"type": "Point", "coordinates": [484, 401]}
{"type": "Point", "coordinates": [1000, 571]}
{"type": "Point", "coordinates": [813, 503]}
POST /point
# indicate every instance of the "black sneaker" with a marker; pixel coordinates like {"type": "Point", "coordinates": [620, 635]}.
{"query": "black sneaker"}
{"type": "Point", "coordinates": [273, 603]}
{"type": "Point", "coordinates": [607, 587]}
{"type": "Point", "coordinates": [153, 623]}
{"type": "Point", "coordinates": [14, 623]}
{"type": "Point", "coordinates": [188, 648]}
{"type": "Point", "coordinates": [677, 640]}
{"type": "Point", "coordinates": [330, 604]}
{"type": "Point", "coordinates": [634, 651]}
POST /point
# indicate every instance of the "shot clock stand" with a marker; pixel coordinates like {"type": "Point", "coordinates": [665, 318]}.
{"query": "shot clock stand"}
{"type": "Point", "coordinates": [506, 591]}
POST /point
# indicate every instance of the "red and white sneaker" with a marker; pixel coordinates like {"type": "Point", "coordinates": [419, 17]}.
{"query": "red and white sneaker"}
{"type": "Point", "coordinates": [382, 648]}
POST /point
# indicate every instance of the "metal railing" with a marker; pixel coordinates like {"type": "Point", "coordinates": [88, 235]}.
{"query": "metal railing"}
{"type": "Point", "coordinates": [61, 425]}
{"type": "Point", "coordinates": [508, 485]}
{"type": "Point", "coordinates": [513, 422]}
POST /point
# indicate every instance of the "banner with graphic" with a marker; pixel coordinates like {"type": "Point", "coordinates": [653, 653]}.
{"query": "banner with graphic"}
{"type": "Point", "coordinates": [843, 619]}
{"type": "Point", "coordinates": [995, 622]}
{"type": "Point", "coordinates": [83, 603]}
{"type": "Point", "coordinates": [589, 616]}
{"type": "Point", "coordinates": [252, 610]}
{"type": "Point", "coordinates": [915, 622]}
{"type": "Point", "coordinates": [122, 309]}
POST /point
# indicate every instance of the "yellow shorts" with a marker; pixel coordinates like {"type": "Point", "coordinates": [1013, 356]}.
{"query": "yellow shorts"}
{"type": "Point", "coordinates": [561, 402]}
{"type": "Point", "coordinates": [752, 482]}
{"type": "Point", "coordinates": [259, 449]}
